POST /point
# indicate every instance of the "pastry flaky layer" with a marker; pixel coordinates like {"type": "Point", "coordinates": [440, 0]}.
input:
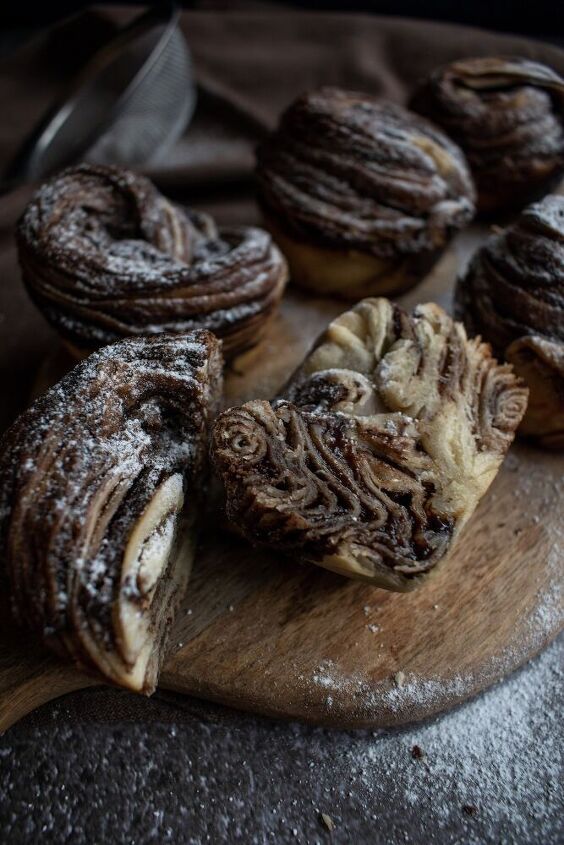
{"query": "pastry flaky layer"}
{"type": "Point", "coordinates": [380, 449]}
{"type": "Point", "coordinates": [100, 482]}
{"type": "Point", "coordinates": [507, 114]}
{"type": "Point", "coordinates": [104, 255]}
{"type": "Point", "coordinates": [364, 184]}
{"type": "Point", "coordinates": [513, 295]}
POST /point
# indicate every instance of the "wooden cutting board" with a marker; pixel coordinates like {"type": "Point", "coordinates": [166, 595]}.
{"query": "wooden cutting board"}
{"type": "Point", "coordinates": [265, 634]}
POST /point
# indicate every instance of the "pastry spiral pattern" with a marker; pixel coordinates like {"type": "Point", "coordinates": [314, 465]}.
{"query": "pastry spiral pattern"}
{"type": "Point", "coordinates": [379, 451]}
{"type": "Point", "coordinates": [507, 114]}
{"type": "Point", "coordinates": [104, 255]}
{"type": "Point", "coordinates": [513, 295]}
{"type": "Point", "coordinates": [100, 482]}
{"type": "Point", "coordinates": [346, 172]}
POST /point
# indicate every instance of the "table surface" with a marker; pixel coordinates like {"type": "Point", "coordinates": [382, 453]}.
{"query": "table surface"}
{"type": "Point", "coordinates": [92, 768]}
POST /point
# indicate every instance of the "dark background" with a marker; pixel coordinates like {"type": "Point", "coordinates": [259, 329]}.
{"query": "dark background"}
{"type": "Point", "coordinates": [542, 18]}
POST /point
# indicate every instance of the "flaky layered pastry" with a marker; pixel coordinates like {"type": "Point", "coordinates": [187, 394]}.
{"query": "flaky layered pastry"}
{"type": "Point", "coordinates": [387, 437]}
{"type": "Point", "coordinates": [507, 114]}
{"type": "Point", "coordinates": [104, 255]}
{"type": "Point", "coordinates": [513, 295]}
{"type": "Point", "coordinates": [100, 483]}
{"type": "Point", "coordinates": [361, 195]}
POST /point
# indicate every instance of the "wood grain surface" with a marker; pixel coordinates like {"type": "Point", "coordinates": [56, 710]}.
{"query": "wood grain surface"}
{"type": "Point", "coordinates": [265, 634]}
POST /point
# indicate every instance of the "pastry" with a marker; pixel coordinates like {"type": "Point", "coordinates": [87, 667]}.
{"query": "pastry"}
{"type": "Point", "coordinates": [507, 114]}
{"type": "Point", "coordinates": [360, 195]}
{"type": "Point", "coordinates": [379, 451]}
{"type": "Point", "coordinates": [104, 256]}
{"type": "Point", "coordinates": [100, 482]}
{"type": "Point", "coordinates": [513, 295]}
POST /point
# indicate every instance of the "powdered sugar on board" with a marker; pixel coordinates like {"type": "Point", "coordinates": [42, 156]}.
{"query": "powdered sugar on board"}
{"type": "Point", "coordinates": [414, 697]}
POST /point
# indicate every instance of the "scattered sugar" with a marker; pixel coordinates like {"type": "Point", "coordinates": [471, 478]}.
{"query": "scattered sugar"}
{"type": "Point", "coordinates": [406, 693]}
{"type": "Point", "coordinates": [143, 266]}
{"type": "Point", "coordinates": [325, 681]}
{"type": "Point", "coordinates": [473, 757]}
{"type": "Point", "coordinates": [98, 431]}
{"type": "Point", "coordinates": [488, 772]}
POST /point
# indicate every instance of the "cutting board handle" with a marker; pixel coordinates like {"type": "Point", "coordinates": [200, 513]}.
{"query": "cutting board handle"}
{"type": "Point", "coordinates": [30, 678]}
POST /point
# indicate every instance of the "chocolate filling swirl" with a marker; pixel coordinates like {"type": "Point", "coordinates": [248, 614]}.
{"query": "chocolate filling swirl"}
{"type": "Point", "coordinates": [346, 170]}
{"type": "Point", "coordinates": [100, 480]}
{"type": "Point", "coordinates": [104, 255]}
{"type": "Point", "coordinates": [507, 114]}
{"type": "Point", "coordinates": [513, 295]}
{"type": "Point", "coordinates": [380, 449]}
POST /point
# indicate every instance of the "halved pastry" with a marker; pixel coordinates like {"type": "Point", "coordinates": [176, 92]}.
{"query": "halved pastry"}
{"type": "Point", "coordinates": [104, 256]}
{"type": "Point", "coordinates": [387, 437]}
{"type": "Point", "coordinates": [100, 484]}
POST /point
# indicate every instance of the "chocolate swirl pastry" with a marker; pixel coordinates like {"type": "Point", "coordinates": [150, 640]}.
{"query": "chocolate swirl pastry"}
{"type": "Point", "coordinates": [513, 295]}
{"type": "Point", "coordinates": [104, 255]}
{"type": "Point", "coordinates": [507, 114]}
{"type": "Point", "coordinates": [388, 436]}
{"type": "Point", "coordinates": [100, 481]}
{"type": "Point", "coordinates": [361, 195]}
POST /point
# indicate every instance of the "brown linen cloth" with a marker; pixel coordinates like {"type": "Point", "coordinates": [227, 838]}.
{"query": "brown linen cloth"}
{"type": "Point", "coordinates": [251, 64]}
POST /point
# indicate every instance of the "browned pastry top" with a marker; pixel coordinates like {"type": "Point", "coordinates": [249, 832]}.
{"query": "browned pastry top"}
{"type": "Point", "coordinates": [386, 439]}
{"type": "Point", "coordinates": [513, 295]}
{"type": "Point", "coordinates": [350, 171]}
{"type": "Point", "coordinates": [77, 470]}
{"type": "Point", "coordinates": [105, 255]}
{"type": "Point", "coordinates": [514, 285]}
{"type": "Point", "coordinates": [507, 114]}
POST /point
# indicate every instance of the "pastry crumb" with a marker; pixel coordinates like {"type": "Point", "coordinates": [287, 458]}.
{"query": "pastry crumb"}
{"type": "Point", "coordinates": [469, 809]}
{"type": "Point", "coordinates": [327, 821]}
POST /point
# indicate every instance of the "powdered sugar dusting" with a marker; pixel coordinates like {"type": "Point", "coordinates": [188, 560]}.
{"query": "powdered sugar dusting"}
{"type": "Point", "coordinates": [80, 467]}
{"type": "Point", "coordinates": [511, 792]}
{"type": "Point", "coordinates": [485, 774]}
{"type": "Point", "coordinates": [106, 256]}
